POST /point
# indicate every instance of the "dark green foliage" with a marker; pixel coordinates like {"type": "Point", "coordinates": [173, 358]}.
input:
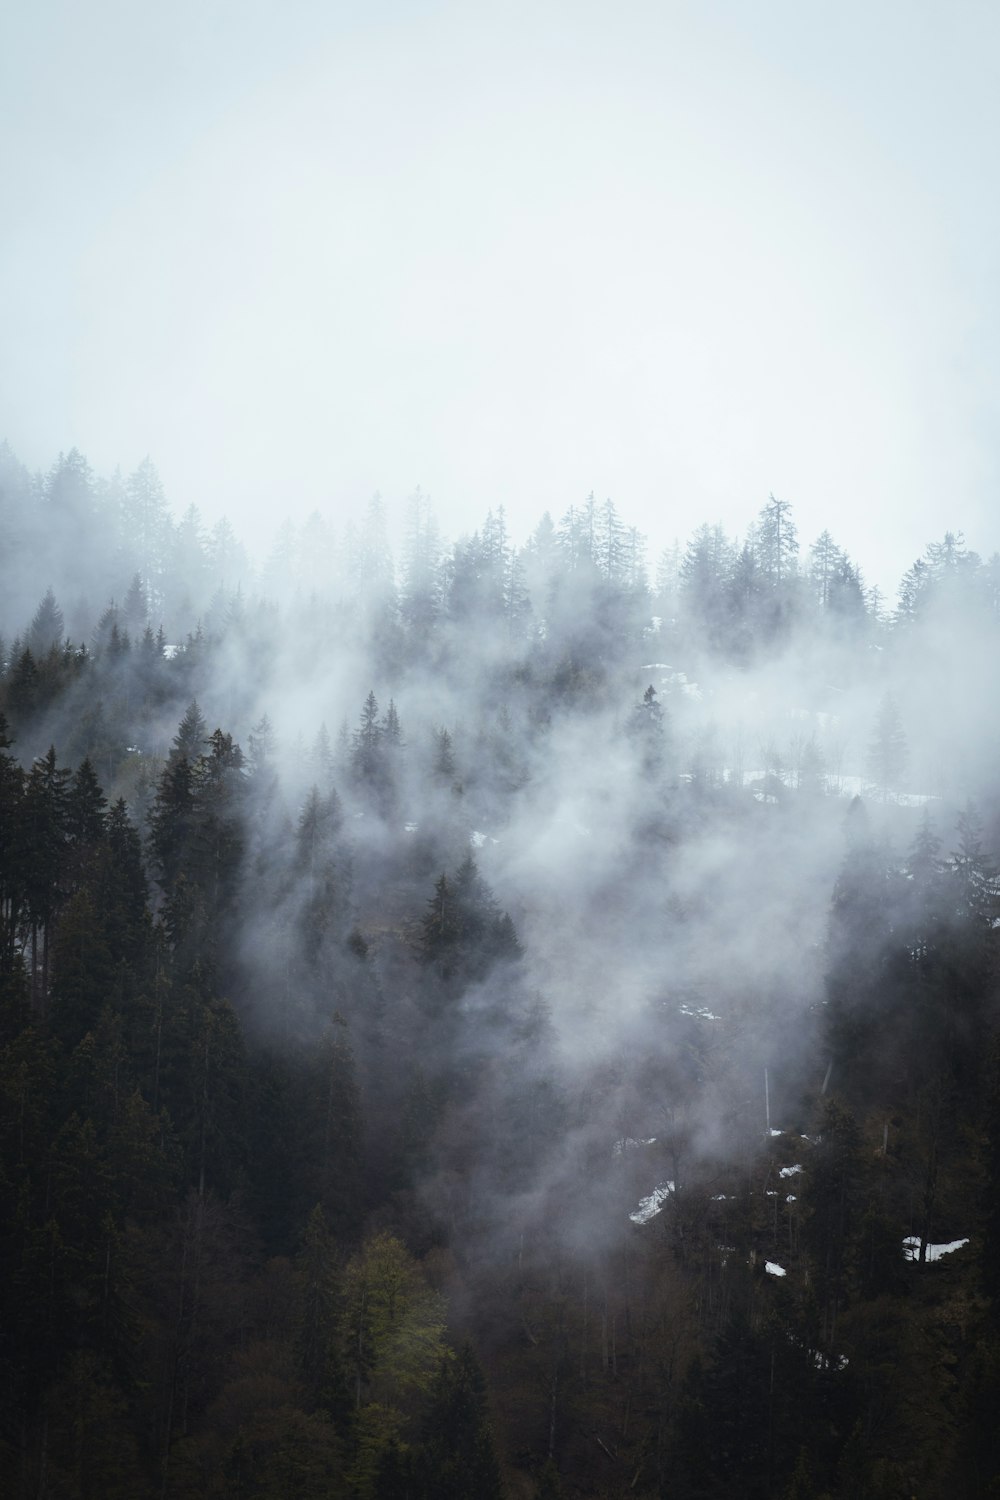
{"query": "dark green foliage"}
{"type": "Point", "coordinates": [456, 1457]}
{"type": "Point", "coordinates": [86, 807]}
{"type": "Point", "coordinates": [464, 933]}
{"type": "Point", "coordinates": [317, 1314]}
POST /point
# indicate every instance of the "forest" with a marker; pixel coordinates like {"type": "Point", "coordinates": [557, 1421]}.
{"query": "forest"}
{"type": "Point", "coordinates": [513, 1020]}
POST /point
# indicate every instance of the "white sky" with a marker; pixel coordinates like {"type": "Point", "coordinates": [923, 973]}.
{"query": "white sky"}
{"type": "Point", "coordinates": [682, 254]}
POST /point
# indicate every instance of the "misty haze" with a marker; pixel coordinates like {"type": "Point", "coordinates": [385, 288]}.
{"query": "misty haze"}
{"type": "Point", "coordinates": [465, 1011]}
{"type": "Point", "coordinates": [499, 985]}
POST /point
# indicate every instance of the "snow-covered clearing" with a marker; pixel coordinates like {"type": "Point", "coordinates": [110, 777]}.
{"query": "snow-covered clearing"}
{"type": "Point", "coordinates": [651, 1206]}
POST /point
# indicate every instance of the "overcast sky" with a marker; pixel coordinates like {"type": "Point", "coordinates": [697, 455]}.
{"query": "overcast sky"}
{"type": "Point", "coordinates": [681, 254]}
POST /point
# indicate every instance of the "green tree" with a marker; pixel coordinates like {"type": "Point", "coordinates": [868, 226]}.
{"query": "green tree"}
{"type": "Point", "coordinates": [457, 1457]}
{"type": "Point", "coordinates": [317, 1315]}
{"type": "Point", "coordinates": [393, 1325]}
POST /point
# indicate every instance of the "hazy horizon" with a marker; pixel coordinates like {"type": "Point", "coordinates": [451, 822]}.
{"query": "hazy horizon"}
{"type": "Point", "coordinates": [683, 259]}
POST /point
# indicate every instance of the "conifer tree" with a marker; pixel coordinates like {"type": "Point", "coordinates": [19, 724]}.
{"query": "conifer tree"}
{"type": "Point", "coordinates": [13, 853]}
{"type": "Point", "coordinates": [45, 834]}
{"type": "Point", "coordinates": [46, 628]}
{"type": "Point", "coordinates": [457, 1457]}
{"type": "Point", "coordinates": [887, 752]}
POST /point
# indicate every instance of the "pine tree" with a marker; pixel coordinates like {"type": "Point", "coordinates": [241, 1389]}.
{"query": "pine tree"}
{"type": "Point", "coordinates": [135, 611]}
{"type": "Point", "coordinates": [146, 526]}
{"type": "Point", "coordinates": [367, 756]}
{"type": "Point", "coordinates": [444, 758]}
{"type": "Point", "coordinates": [45, 834]}
{"type": "Point", "coordinates": [317, 1319]}
{"type": "Point", "coordinates": [13, 850]}
{"type": "Point", "coordinates": [191, 736]}
{"type": "Point", "coordinates": [86, 808]}
{"type": "Point", "coordinates": [46, 628]}
{"type": "Point", "coordinates": [824, 559]}
{"type": "Point", "coordinates": [82, 970]}
{"type": "Point", "coordinates": [647, 729]}
{"type": "Point", "coordinates": [392, 734]}
{"type": "Point", "coordinates": [887, 751]}
{"type": "Point", "coordinates": [123, 890]}
{"type": "Point", "coordinates": [457, 1457]}
{"type": "Point", "coordinates": [779, 544]}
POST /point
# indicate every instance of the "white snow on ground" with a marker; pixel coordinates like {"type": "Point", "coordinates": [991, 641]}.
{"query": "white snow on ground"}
{"type": "Point", "coordinates": [838, 786]}
{"type": "Point", "coordinates": [911, 1248]}
{"type": "Point", "coordinates": [701, 1011]}
{"type": "Point", "coordinates": [790, 1171]}
{"type": "Point", "coordinates": [775, 1131]}
{"type": "Point", "coordinates": [477, 840]}
{"type": "Point", "coordinates": [628, 1141]}
{"type": "Point", "coordinates": [650, 1207]}
{"type": "Point", "coordinates": [774, 1270]}
{"type": "Point", "coordinates": [409, 827]}
{"type": "Point", "coordinates": [790, 1198]}
{"type": "Point", "coordinates": [860, 786]}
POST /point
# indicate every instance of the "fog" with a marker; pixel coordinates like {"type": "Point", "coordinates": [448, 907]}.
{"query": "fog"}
{"type": "Point", "coordinates": [300, 255]}
{"type": "Point", "coordinates": [663, 819]}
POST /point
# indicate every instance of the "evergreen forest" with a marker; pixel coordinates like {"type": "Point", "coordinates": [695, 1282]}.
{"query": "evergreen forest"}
{"type": "Point", "coordinates": [515, 1019]}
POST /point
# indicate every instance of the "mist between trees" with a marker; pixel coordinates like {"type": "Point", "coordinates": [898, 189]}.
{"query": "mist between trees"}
{"type": "Point", "coordinates": [518, 1021]}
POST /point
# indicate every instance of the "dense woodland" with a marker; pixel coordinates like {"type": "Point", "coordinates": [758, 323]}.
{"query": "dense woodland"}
{"type": "Point", "coordinates": [516, 1020]}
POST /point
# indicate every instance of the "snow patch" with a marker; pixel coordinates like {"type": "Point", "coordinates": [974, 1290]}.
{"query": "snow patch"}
{"type": "Point", "coordinates": [701, 1012]}
{"type": "Point", "coordinates": [790, 1171]}
{"type": "Point", "coordinates": [651, 1206]}
{"type": "Point", "coordinates": [409, 827]}
{"type": "Point", "coordinates": [773, 1269]}
{"type": "Point", "coordinates": [911, 1248]}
